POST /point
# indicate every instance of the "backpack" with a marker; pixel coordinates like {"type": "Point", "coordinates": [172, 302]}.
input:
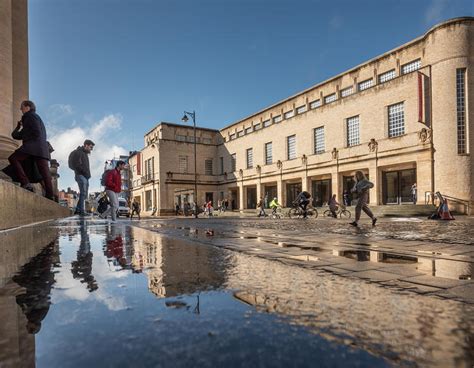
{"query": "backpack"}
{"type": "Point", "coordinates": [103, 178]}
{"type": "Point", "coordinates": [103, 204]}
{"type": "Point", "coordinates": [70, 160]}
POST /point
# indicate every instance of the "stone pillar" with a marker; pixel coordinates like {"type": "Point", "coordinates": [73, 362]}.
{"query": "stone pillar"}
{"type": "Point", "coordinates": [259, 191]}
{"type": "Point", "coordinates": [241, 196]}
{"type": "Point", "coordinates": [376, 191]}
{"type": "Point", "coordinates": [13, 69]}
{"type": "Point", "coordinates": [336, 186]}
{"type": "Point", "coordinates": [280, 191]}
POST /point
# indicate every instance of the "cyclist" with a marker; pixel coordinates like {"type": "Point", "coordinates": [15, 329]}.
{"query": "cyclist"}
{"type": "Point", "coordinates": [302, 201]}
{"type": "Point", "coordinates": [333, 205]}
{"type": "Point", "coordinates": [274, 205]}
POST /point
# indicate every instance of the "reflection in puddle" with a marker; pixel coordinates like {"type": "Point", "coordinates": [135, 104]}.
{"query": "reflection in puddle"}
{"type": "Point", "coordinates": [375, 256]}
{"type": "Point", "coordinates": [153, 300]}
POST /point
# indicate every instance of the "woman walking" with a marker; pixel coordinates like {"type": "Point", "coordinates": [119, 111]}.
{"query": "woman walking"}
{"type": "Point", "coordinates": [362, 187]}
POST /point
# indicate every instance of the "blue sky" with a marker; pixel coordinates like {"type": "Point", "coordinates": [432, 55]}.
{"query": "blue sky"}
{"type": "Point", "coordinates": [111, 69]}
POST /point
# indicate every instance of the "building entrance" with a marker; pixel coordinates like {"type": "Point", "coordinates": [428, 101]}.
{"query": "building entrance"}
{"type": "Point", "coordinates": [292, 191]}
{"type": "Point", "coordinates": [270, 193]}
{"type": "Point", "coordinates": [322, 190]}
{"type": "Point", "coordinates": [251, 197]}
{"type": "Point", "coordinates": [397, 186]}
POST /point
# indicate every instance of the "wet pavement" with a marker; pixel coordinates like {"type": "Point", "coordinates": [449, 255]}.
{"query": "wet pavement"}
{"type": "Point", "coordinates": [235, 292]}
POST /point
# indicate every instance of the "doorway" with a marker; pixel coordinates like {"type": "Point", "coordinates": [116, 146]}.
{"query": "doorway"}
{"type": "Point", "coordinates": [251, 198]}
{"type": "Point", "coordinates": [397, 186]}
{"type": "Point", "coordinates": [322, 190]}
{"type": "Point", "coordinates": [292, 191]}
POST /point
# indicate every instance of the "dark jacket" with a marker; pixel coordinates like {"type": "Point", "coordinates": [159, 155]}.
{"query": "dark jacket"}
{"type": "Point", "coordinates": [33, 136]}
{"type": "Point", "coordinates": [113, 181]}
{"type": "Point", "coordinates": [79, 162]}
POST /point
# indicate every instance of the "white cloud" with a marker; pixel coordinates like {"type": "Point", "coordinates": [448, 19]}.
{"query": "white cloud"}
{"type": "Point", "coordinates": [66, 140]}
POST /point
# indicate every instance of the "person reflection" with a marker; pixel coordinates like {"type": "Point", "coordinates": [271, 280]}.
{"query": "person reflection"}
{"type": "Point", "coordinates": [114, 250]}
{"type": "Point", "coordinates": [82, 268]}
{"type": "Point", "coordinates": [37, 278]}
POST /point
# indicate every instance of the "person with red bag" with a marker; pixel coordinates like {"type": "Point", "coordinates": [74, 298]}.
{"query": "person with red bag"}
{"type": "Point", "coordinates": [113, 186]}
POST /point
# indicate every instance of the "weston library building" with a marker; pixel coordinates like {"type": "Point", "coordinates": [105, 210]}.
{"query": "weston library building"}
{"type": "Point", "coordinates": [402, 118]}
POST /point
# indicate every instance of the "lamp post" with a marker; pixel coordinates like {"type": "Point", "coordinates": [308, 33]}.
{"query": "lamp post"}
{"type": "Point", "coordinates": [185, 119]}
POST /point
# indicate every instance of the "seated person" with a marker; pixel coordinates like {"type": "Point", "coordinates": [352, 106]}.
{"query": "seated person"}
{"type": "Point", "coordinates": [274, 205]}
{"type": "Point", "coordinates": [302, 200]}
{"type": "Point", "coordinates": [333, 205]}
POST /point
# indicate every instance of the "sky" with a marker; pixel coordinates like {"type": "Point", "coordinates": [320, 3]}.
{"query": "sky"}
{"type": "Point", "coordinates": [110, 70]}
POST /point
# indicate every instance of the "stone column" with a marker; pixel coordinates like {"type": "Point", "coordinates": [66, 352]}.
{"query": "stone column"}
{"type": "Point", "coordinates": [280, 191]}
{"type": "Point", "coordinates": [241, 196]}
{"type": "Point", "coordinates": [375, 192]}
{"type": "Point", "coordinates": [13, 69]}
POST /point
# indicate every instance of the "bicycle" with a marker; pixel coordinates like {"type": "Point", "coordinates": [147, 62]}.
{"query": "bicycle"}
{"type": "Point", "coordinates": [276, 213]}
{"type": "Point", "coordinates": [341, 212]}
{"type": "Point", "coordinates": [297, 212]}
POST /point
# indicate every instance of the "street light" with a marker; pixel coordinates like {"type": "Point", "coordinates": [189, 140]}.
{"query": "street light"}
{"type": "Point", "coordinates": [186, 119]}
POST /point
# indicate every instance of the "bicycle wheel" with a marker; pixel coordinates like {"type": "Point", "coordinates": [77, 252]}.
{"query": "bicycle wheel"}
{"type": "Point", "coordinates": [294, 213]}
{"type": "Point", "coordinates": [327, 213]}
{"type": "Point", "coordinates": [345, 214]}
{"type": "Point", "coordinates": [312, 212]}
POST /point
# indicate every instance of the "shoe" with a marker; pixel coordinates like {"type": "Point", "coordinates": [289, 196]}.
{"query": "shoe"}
{"type": "Point", "coordinates": [374, 220]}
{"type": "Point", "coordinates": [28, 187]}
{"type": "Point", "coordinates": [353, 223]}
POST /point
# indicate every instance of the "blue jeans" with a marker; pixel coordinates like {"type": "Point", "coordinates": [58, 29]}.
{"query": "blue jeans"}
{"type": "Point", "coordinates": [83, 184]}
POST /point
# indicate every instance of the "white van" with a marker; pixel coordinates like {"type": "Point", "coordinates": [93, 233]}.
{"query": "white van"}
{"type": "Point", "coordinates": [123, 209]}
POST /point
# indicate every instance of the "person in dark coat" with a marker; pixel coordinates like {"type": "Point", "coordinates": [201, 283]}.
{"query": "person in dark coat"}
{"type": "Point", "coordinates": [79, 162]}
{"type": "Point", "coordinates": [31, 131]}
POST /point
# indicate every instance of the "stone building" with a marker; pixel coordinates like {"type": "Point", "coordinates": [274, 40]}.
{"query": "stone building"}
{"type": "Point", "coordinates": [403, 117]}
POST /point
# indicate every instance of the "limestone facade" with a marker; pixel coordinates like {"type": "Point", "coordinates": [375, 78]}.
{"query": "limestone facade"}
{"type": "Point", "coordinates": [13, 69]}
{"type": "Point", "coordinates": [402, 117]}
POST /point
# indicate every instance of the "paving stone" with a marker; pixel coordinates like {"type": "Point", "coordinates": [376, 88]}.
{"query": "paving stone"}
{"type": "Point", "coordinates": [417, 288]}
{"type": "Point", "coordinates": [402, 270]}
{"type": "Point", "coordinates": [338, 271]}
{"type": "Point", "coordinates": [464, 293]}
{"type": "Point", "coordinates": [436, 281]}
{"type": "Point", "coordinates": [357, 266]}
{"type": "Point", "coordinates": [375, 275]}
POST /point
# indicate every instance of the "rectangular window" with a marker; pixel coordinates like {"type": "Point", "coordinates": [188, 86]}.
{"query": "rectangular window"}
{"type": "Point", "coordinates": [385, 77]}
{"type": "Point", "coordinates": [396, 120]}
{"type": "Point", "coordinates": [232, 136]}
{"type": "Point", "coordinates": [315, 104]}
{"type": "Point", "coordinates": [330, 98]}
{"type": "Point", "coordinates": [208, 166]}
{"type": "Point", "coordinates": [207, 140]}
{"type": "Point", "coordinates": [221, 165]}
{"type": "Point", "coordinates": [267, 123]}
{"type": "Point", "coordinates": [347, 91]}
{"type": "Point", "coordinates": [233, 162]}
{"type": "Point", "coordinates": [183, 164]}
{"type": "Point", "coordinates": [268, 153]}
{"type": "Point", "coordinates": [181, 138]}
{"type": "Point", "coordinates": [319, 146]}
{"type": "Point", "coordinates": [301, 109]}
{"type": "Point", "coordinates": [277, 119]}
{"type": "Point", "coordinates": [353, 131]}
{"type": "Point", "coordinates": [461, 109]}
{"type": "Point", "coordinates": [411, 66]}
{"type": "Point", "coordinates": [256, 126]}
{"type": "Point", "coordinates": [249, 158]}
{"type": "Point", "coordinates": [248, 130]}
{"type": "Point", "coordinates": [291, 146]}
{"type": "Point", "coordinates": [289, 114]}
{"type": "Point", "coordinates": [365, 84]}
{"type": "Point", "coordinates": [240, 134]}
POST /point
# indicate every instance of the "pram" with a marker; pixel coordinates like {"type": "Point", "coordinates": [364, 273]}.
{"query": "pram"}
{"type": "Point", "coordinates": [101, 203]}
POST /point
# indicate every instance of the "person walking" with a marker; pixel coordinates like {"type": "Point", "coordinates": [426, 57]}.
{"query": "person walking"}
{"type": "Point", "coordinates": [261, 206]}
{"type": "Point", "coordinates": [113, 186]}
{"type": "Point", "coordinates": [135, 209]}
{"type": "Point", "coordinates": [31, 131]}
{"type": "Point", "coordinates": [362, 187]}
{"type": "Point", "coordinates": [79, 162]}
{"type": "Point", "coordinates": [414, 193]}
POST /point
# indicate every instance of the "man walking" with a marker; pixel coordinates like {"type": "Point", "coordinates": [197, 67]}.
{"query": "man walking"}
{"type": "Point", "coordinates": [31, 131]}
{"type": "Point", "coordinates": [113, 186]}
{"type": "Point", "coordinates": [79, 162]}
{"type": "Point", "coordinates": [362, 187]}
{"type": "Point", "coordinates": [135, 209]}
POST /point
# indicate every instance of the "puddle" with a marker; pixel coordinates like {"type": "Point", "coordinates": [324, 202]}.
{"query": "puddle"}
{"type": "Point", "coordinates": [126, 296]}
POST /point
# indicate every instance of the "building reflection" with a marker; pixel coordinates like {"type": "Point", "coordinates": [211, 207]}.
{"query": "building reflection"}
{"type": "Point", "coordinates": [174, 267]}
{"type": "Point", "coordinates": [27, 259]}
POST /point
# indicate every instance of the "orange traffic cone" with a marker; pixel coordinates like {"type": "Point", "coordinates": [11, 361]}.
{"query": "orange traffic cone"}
{"type": "Point", "coordinates": [444, 214]}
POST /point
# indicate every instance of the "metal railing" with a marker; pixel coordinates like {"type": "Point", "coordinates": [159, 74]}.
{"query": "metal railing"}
{"type": "Point", "coordinates": [436, 198]}
{"type": "Point", "coordinates": [147, 178]}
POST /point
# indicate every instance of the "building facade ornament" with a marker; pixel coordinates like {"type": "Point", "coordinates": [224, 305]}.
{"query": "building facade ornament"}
{"type": "Point", "coordinates": [258, 168]}
{"type": "Point", "coordinates": [335, 153]}
{"type": "Point", "coordinates": [373, 145]}
{"type": "Point", "coordinates": [424, 135]}
{"type": "Point", "coordinates": [304, 159]}
{"type": "Point", "coordinates": [279, 164]}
